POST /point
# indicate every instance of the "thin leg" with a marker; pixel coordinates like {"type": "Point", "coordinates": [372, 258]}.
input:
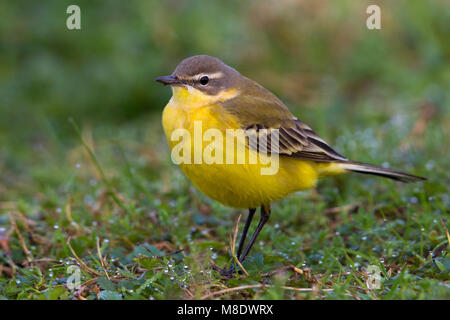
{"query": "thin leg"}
{"type": "Point", "coordinates": [265, 214]}
{"type": "Point", "coordinates": [251, 213]}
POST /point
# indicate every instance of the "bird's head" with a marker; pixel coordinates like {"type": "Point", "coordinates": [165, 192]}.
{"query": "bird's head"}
{"type": "Point", "coordinates": [203, 79]}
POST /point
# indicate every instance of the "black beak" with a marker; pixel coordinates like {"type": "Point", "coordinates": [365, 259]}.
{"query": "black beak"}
{"type": "Point", "coordinates": [169, 80]}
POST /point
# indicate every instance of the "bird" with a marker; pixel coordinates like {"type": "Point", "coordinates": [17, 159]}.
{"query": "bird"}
{"type": "Point", "coordinates": [208, 95]}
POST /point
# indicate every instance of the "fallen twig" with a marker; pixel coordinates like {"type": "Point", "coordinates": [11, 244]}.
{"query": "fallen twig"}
{"type": "Point", "coordinates": [80, 262]}
{"type": "Point", "coordinates": [102, 261]}
{"type": "Point", "coordinates": [21, 240]}
{"type": "Point", "coordinates": [282, 269]}
{"type": "Point", "coordinates": [257, 286]}
{"type": "Point", "coordinates": [233, 246]}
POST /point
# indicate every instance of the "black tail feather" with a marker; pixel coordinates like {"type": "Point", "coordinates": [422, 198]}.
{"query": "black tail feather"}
{"type": "Point", "coordinates": [380, 171]}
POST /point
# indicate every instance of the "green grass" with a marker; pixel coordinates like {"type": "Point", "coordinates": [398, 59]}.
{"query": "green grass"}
{"type": "Point", "coordinates": [158, 236]}
{"type": "Point", "coordinates": [101, 193]}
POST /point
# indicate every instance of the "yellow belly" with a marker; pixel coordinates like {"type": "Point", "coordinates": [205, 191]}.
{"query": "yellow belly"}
{"type": "Point", "coordinates": [237, 185]}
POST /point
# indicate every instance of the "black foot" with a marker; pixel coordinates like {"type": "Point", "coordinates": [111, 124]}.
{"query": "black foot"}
{"type": "Point", "coordinates": [226, 274]}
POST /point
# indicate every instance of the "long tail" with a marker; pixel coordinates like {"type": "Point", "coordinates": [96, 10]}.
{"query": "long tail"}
{"type": "Point", "coordinates": [380, 171]}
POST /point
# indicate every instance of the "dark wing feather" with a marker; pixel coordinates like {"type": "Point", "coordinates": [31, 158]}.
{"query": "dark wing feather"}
{"type": "Point", "coordinates": [296, 140]}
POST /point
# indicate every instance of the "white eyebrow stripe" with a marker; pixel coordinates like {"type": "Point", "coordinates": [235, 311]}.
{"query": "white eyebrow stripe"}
{"type": "Point", "coordinates": [214, 75]}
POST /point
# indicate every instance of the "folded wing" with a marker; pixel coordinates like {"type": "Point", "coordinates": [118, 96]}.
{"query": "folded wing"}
{"type": "Point", "coordinates": [295, 139]}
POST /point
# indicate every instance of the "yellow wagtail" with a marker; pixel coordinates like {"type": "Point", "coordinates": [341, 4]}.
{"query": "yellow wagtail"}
{"type": "Point", "coordinates": [208, 92]}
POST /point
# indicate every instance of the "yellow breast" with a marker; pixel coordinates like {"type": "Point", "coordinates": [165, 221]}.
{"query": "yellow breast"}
{"type": "Point", "coordinates": [237, 184]}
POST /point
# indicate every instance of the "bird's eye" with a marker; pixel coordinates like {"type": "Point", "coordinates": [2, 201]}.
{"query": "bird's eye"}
{"type": "Point", "coordinates": [204, 80]}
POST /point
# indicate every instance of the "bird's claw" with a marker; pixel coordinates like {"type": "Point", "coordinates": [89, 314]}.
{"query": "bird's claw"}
{"type": "Point", "coordinates": [226, 273]}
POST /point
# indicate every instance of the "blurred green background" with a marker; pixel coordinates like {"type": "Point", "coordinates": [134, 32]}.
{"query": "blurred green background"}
{"type": "Point", "coordinates": [380, 96]}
